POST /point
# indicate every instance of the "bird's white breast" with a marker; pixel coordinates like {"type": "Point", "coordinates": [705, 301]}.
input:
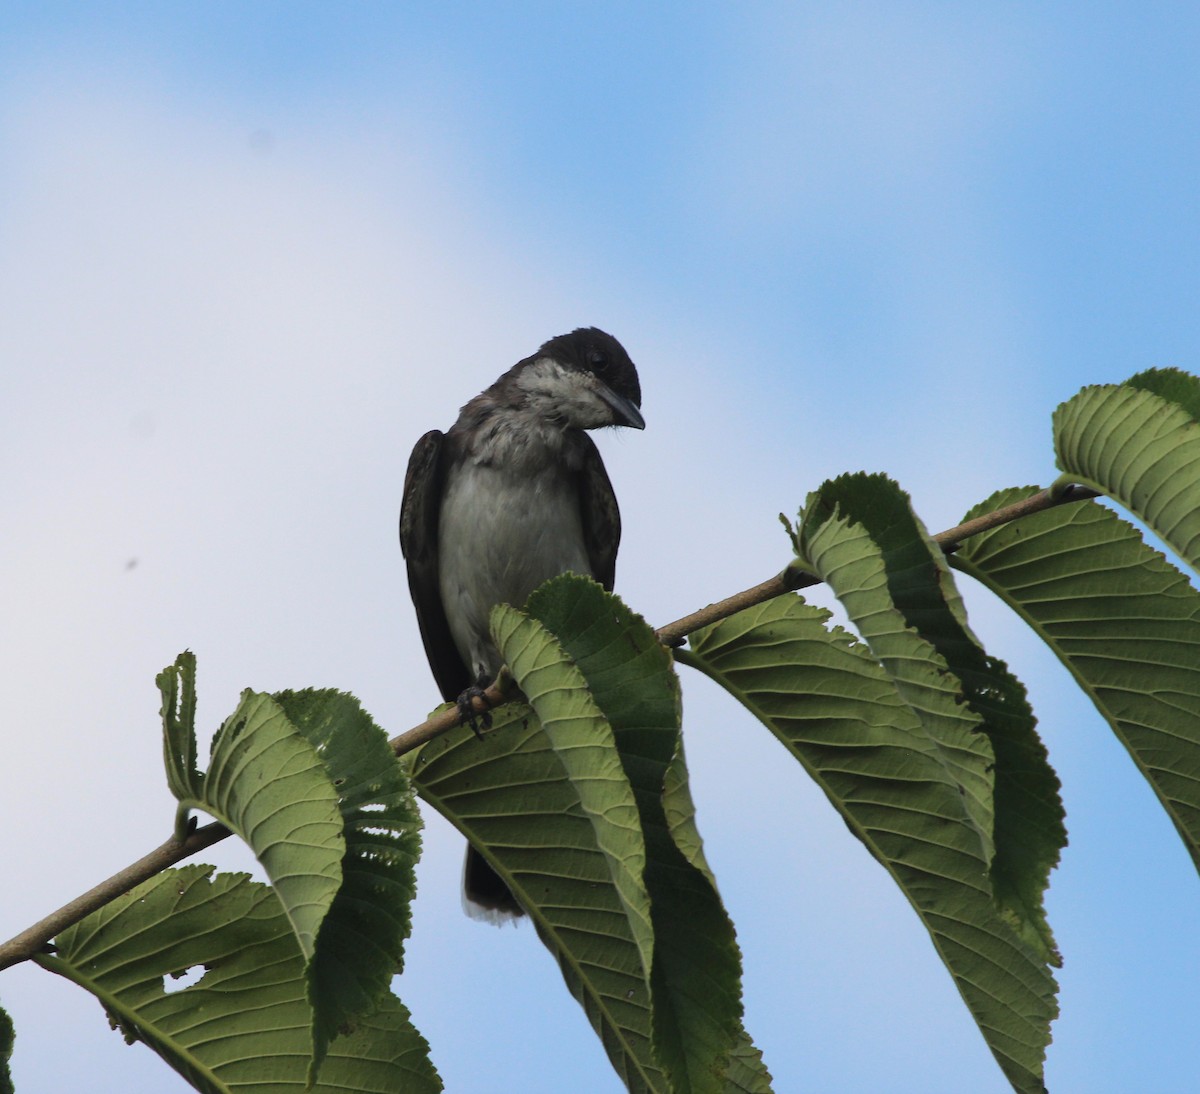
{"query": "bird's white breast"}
{"type": "Point", "coordinates": [503, 531]}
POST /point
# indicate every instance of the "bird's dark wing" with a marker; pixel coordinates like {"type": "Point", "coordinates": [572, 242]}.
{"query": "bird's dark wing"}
{"type": "Point", "coordinates": [601, 517]}
{"type": "Point", "coordinates": [419, 513]}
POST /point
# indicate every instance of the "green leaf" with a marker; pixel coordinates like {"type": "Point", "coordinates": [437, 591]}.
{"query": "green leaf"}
{"type": "Point", "coordinates": [1139, 443]}
{"type": "Point", "coordinates": [1122, 619]}
{"type": "Point", "coordinates": [746, 1073]}
{"type": "Point", "coordinates": [839, 713]}
{"type": "Point", "coordinates": [696, 976]}
{"type": "Point", "coordinates": [245, 1026]}
{"type": "Point", "coordinates": [862, 537]}
{"type": "Point", "coordinates": [1173, 385]}
{"type": "Point", "coordinates": [1028, 827]}
{"type": "Point", "coordinates": [548, 803]}
{"type": "Point", "coordinates": [854, 560]}
{"type": "Point", "coordinates": [583, 739]}
{"type": "Point", "coordinates": [892, 738]}
{"type": "Point", "coordinates": [360, 946]}
{"type": "Point", "coordinates": [7, 1036]}
{"type": "Point", "coordinates": [680, 812]}
{"type": "Point", "coordinates": [510, 795]}
{"type": "Point", "coordinates": [267, 783]}
{"type": "Point", "coordinates": [178, 687]}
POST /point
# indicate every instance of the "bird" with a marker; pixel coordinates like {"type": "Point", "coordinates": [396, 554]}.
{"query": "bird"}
{"type": "Point", "coordinates": [513, 494]}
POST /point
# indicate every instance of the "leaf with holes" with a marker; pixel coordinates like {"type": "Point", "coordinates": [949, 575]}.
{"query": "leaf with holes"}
{"type": "Point", "coordinates": [308, 780]}
{"type": "Point", "coordinates": [246, 1024]}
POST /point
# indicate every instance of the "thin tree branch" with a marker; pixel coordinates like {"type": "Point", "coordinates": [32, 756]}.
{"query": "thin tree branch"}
{"type": "Point", "coordinates": [493, 696]}
{"type": "Point", "coordinates": [673, 634]}
{"type": "Point", "coordinates": [789, 580]}
{"type": "Point", "coordinates": [1035, 503]}
{"type": "Point", "coordinates": [35, 938]}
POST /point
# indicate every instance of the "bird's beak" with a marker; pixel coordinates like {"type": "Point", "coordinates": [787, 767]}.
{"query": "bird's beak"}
{"type": "Point", "coordinates": [624, 412]}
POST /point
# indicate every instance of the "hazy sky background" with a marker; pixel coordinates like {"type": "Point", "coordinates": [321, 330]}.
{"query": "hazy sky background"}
{"type": "Point", "coordinates": [250, 252]}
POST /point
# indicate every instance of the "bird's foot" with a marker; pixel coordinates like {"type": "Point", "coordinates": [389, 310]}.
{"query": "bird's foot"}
{"type": "Point", "coordinates": [477, 720]}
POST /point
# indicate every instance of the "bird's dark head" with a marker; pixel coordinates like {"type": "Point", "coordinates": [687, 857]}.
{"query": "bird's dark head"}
{"type": "Point", "coordinates": [584, 379]}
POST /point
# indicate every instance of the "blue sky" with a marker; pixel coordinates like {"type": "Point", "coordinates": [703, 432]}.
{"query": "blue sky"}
{"type": "Point", "coordinates": [248, 253]}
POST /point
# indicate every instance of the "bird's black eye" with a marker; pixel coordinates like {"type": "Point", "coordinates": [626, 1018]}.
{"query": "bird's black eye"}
{"type": "Point", "coordinates": [597, 362]}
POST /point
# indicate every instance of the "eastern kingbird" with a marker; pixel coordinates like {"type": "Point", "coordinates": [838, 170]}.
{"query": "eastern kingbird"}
{"type": "Point", "coordinates": [513, 494]}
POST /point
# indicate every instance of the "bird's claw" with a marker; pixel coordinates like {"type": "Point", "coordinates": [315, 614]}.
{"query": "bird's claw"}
{"type": "Point", "coordinates": [477, 720]}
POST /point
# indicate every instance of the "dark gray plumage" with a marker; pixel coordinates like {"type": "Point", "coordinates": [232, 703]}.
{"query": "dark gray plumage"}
{"type": "Point", "coordinates": [512, 494]}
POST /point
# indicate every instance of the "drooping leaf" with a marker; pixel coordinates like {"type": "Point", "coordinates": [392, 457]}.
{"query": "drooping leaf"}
{"type": "Point", "coordinates": [852, 560]}
{"type": "Point", "coordinates": [245, 1025]}
{"type": "Point", "coordinates": [1122, 619]}
{"type": "Point", "coordinates": [583, 739]}
{"type": "Point", "coordinates": [838, 712]}
{"type": "Point", "coordinates": [510, 795]}
{"type": "Point", "coordinates": [267, 783]}
{"type": "Point", "coordinates": [696, 977]}
{"type": "Point", "coordinates": [360, 946]}
{"type": "Point", "coordinates": [892, 740]}
{"type": "Point", "coordinates": [861, 536]}
{"type": "Point", "coordinates": [1139, 443]}
{"type": "Point", "coordinates": [1028, 828]}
